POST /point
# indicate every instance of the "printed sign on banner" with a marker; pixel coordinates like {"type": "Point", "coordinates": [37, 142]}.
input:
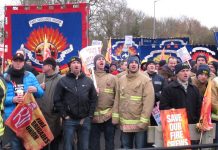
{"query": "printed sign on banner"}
{"type": "Point", "coordinates": [175, 127]}
{"type": "Point", "coordinates": [156, 113]}
{"type": "Point", "coordinates": [96, 42]}
{"type": "Point", "coordinates": [128, 40]}
{"type": "Point", "coordinates": [184, 54]}
{"type": "Point", "coordinates": [28, 122]}
{"type": "Point", "coordinates": [88, 53]}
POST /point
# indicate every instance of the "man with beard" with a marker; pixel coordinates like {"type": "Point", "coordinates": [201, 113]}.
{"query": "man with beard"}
{"type": "Point", "coordinates": [106, 87]}
{"type": "Point", "coordinates": [133, 105]}
{"type": "Point", "coordinates": [18, 83]}
{"type": "Point", "coordinates": [75, 100]}
{"type": "Point", "coordinates": [167, 70]}
{"type": "Point", "coordinates": [48, 81]}
{"type": "Point", "coordinates": [181, 93]}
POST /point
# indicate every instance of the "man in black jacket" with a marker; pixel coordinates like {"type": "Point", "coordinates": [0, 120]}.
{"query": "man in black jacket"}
{"type": "Point", "coordinates": [182, 94]}
{"type": "Point", "coordinates": [75, 99]}
{"type": "Point", "coordinates": [158, 82]}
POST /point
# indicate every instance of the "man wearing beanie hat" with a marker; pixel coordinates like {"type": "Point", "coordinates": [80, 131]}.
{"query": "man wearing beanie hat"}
{"type": "Point", "coordinates": [76, 59]}
{"type": "Point", "coordinates": [75, 100]}
{"type": "Point", "coordinates": [133, 105]}
{"type": "Point", "coordinates": [97, 57]}
{"type": "Point", "coordinates": [181, 93]}
{"type": "Point", "coordinates": [134, 58]}
{"type": "Point", "coordinates": [106, 89]}
{"type": "Point", "coordinates": [213, 69]}
{"type": "Point", "coordinates": [48, 81]}
{"type": "Point", "coordinates": [201, 78]}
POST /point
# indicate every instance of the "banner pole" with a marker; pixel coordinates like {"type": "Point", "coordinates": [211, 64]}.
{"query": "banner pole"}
{"type": "Point", "coordinates": [201, 137]}
{"type": "Point", "coordinates": [93, 78]}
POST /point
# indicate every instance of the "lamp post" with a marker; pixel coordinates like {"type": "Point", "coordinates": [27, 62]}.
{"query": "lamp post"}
{"type": "Point", "coordinates": [154, 21]}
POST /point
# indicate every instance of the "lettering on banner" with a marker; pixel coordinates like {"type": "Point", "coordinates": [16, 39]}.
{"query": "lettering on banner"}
{"type": "Point", "coordinates": [36, 130]}
{"type": "Point", "coordinates": [175, 130]}
{"type": "Point", "coordinates": [22, 117]}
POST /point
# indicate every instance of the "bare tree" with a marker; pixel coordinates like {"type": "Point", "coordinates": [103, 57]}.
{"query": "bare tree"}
{"type": "Point", "coordinates": [112, 18]}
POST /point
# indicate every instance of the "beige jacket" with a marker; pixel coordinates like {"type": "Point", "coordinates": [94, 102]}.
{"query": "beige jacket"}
{"type": "Point", "coordinates": [106, 83]}
{"type": "Point", "coordinates": [214, 98]}
{"type": "Point", "coordinates": [134, 102]}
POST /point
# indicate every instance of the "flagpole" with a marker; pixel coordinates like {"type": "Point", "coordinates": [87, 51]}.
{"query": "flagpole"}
{"type": "Point", "coordinates": [201, 137]}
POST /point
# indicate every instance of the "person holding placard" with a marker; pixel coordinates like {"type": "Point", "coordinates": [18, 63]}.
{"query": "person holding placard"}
{"type": "Point", "coordinates": [181, 93]}
{"type": "Point", "coordinates": [18, 81]}
{"type": "Point", "coordinates": [102, 122]}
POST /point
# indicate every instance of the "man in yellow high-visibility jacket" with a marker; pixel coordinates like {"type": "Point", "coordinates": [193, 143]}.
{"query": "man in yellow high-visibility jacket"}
{"type": "Point", "coordinates": [3, 89]}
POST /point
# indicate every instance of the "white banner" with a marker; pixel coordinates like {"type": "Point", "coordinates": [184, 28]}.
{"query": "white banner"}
{"type": "Point", "coordinates": [88, 53]}
{"type": "Point", "coordinates": [184, 54]}
{"type": "Point", "coordinates": [128, 40]}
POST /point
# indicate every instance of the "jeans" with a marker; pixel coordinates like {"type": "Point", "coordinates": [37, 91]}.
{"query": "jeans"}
{"type": "Point", "coordinates": [71, 127]}
{"type": "Point", "coordinates": [12, 140]}
{"type": "Point", "coordinates": [128, 139]}
{"type": "Point", "coordinates": [54, 145]}
{"type": "Point", "coordinates": [109, 131]}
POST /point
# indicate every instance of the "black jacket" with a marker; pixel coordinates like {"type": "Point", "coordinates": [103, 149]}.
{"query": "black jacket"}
{"type": "Point", "coordinates": [174, 96]}
{"type": "Point", "coordinates": [159, 83]}
{"type": "Point", "coordinates": [75, 97]}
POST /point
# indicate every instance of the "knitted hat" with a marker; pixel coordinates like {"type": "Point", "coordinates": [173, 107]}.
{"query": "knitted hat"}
{"type": "Point", "coordinates": [75, 58]}
{"type": "Point", "coordinates": [201, 56]}
{"type": "Point", "coordinates": [215, 65]}
{"type": "Point", "coordinates": [133, 58]}
{"type": "Point", "coordinates": [180, 67]}
{"type": "Point", "coordinates": [18, 56]}
{"type": "Point", "coordinates": [162, 63]}
{"type": "Point", "coordinates": [203, 69]}
{"type": "Point", "coordinates": [50, 61]}
{"type": "Point", "coordinates": [113, 64]}
{"type": "Point", "coordinates": [96, 58]}
{"type": "Point", "coordinates": [150, 62]}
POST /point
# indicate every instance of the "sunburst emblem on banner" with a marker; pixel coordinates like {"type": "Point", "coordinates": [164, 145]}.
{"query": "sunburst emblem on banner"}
{"type": "Point", "coordinates": [46, 37]}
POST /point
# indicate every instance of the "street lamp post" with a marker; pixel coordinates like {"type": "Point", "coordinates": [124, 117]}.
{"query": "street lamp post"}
{"type": "Point", "coordinates": [154, 21]}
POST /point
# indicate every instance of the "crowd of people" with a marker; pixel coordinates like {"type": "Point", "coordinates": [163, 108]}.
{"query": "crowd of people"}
{"type": "Point", "coordinates": [78, 112]}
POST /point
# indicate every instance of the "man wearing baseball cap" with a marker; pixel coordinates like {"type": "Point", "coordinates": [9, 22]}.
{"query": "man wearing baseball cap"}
{"type": "Point", "coordinates": [182, 94]}
{"type": "Point", "coordinates": [19, 81]}
{"type": "Point", "coordinates": [48, 81]}
{"type": "Point", "coordinates": [75, 100]}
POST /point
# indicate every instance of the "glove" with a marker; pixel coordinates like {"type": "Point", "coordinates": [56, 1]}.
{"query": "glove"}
{"type": "Point", "coordinates": [143, 126]}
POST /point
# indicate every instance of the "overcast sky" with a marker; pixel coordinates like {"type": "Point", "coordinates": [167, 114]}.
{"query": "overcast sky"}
{"type": "Point", "coordinates": [204, 11]}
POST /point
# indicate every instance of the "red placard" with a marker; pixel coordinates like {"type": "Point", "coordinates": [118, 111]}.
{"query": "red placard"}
{"type": "Point", "coordinates": [175, 127]}
{"type": "Point", "coordinates": [28, 122]}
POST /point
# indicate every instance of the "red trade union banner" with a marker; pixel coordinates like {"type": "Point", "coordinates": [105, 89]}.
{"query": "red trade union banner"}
{"type": "Point", "coordinates": [30, 125]}
{"type": "Point", "coordinates": [175, 127]}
